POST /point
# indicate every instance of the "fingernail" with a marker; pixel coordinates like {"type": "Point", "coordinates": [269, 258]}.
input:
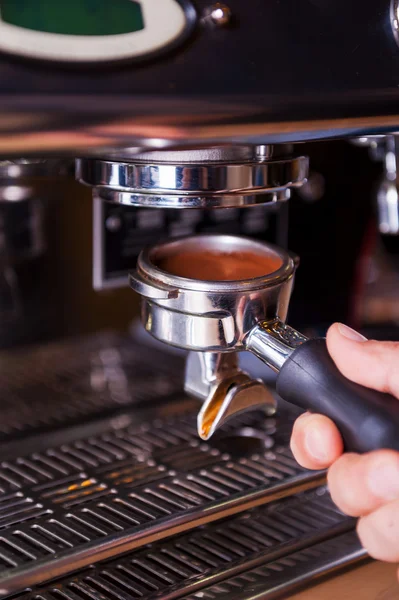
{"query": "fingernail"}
{"type": "Point", "coordinates": [350, 333]}
{"type": "Point", "coordinates": [315, 443]}
{"type": "Point", "coordinates": [303, 415]}
{"type": "Point", "coordinates": [383, 479]}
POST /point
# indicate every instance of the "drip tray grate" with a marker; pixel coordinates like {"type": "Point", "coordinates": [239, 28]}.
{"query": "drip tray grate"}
{"type": "Point", "coordinates": [221, 551]}
{"type": "Point", "coordinates": [61, 383]}
{"type": "Point", "coordinates": [89, 499]}
{"type": "Point", "coordinates": [280, 578]}
{"type": "Point", "coordinates": [118, 479]}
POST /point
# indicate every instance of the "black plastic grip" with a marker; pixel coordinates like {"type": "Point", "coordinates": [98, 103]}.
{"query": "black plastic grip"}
{"type": "Point", "coordinates": [368, 420]}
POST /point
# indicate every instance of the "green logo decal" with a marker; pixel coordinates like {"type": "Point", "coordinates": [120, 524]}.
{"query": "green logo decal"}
{"type": "Point", "coordinates": [74, 17]}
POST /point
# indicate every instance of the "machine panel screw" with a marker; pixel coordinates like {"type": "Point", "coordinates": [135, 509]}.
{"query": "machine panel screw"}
{"type": "Point", "coordinates": [218, 14]}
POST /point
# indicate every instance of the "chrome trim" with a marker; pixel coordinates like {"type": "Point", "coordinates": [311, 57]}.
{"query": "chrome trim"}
{"type": "Point", "coordinates": [217, 380]}
{"type": "Point", "coordinates": [195, 560]}
{"type": "Point", "coordinates": [210, 315]}
{"type": "Point", "coordinates": [116, 544]}
{"type": "Point", "coordinates": [156, 291]}
{"type": "Point", "coordinates": [179, 201]}
{"type": "Point", "coordinates": [191, 179]}
{"type": "Point", "coordinates": [137, 508]}
{"type": "Point", "coordinates": [282, 577]}
{"type": "Point", "coordinates": [230, 154]}
{"type": "Point", "coordinates": [220, 243]}
{"type": "Point", "coordinates": [274, 342]}
{"type": "Point", "coordinates": [385, 149]}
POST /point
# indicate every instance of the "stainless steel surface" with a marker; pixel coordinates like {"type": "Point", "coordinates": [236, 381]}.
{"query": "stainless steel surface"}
{"type": "Point", "coordinates": [388, 207]}
{"type": "Point", "coordinates": [139, 481]}
{"type": "Point", "coordinates": [230, 154]}
{"type": "Point", "coordinates": [98, 496]}
{"type": "Point", "coordinates": [226, 390]}
{"type": "Point", "coordinates": [180, 201]}
{"type": "Point", "coordinates": [199, 178]}
{"type": "Point", "coordinates": [235, 395]}
{"type": "Point", "coordinates": [206, 370]}
{"type": "Point", "coordinates": [73, 496]}
{"type": "Point", "coordinates": [64, 383]}
{"type": "Point", "coordinates": [280, 578]}
{"type": "Point", "coordinates": [224, 176]}
{"type": "Point", "coordinates": [214, 554]}
{"type": "Point", "coordinates": [388, 192]}
{"type": "Point", "coordinates": [206, 315]}
{"type": "Point", "coordinates": [273, 342]}
{"type": "Point", "coordinates": [384, 149]}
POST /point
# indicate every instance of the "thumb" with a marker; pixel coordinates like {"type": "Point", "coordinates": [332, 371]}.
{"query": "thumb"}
{"type": "Point", "coordinates": [372, 364]}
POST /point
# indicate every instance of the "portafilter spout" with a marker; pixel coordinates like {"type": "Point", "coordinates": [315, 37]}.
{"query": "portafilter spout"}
{"type": "Point", "coordinates": [225, 389]}
{"type": "Point", "coordinates": [194, 299]}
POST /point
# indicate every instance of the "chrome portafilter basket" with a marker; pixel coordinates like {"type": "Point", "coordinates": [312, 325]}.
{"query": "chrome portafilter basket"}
{"type": "Point", "coordinates": [205, 315]}
{"type": "Point", "coordinates": [215, 320]}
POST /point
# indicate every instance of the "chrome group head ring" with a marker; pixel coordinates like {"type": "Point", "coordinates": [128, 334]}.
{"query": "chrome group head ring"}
{"type": "Point", "coordinates": [202, 184]}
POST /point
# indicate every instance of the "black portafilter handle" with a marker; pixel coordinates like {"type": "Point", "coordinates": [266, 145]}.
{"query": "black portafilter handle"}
{"type": "Point", "coordinates": [367, 420]}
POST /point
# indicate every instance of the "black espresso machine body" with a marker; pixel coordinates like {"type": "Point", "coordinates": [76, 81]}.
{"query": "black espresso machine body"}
{"type": "Point", "coordinates": [265, 119]}
{"type": "Point", "coordinates": [267, 72]}
{"type": "Point", "coordinates": [264, 74]}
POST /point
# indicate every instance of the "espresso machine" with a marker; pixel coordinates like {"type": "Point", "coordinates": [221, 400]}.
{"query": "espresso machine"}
{"type": "Point", "coordinates": [241, 162]}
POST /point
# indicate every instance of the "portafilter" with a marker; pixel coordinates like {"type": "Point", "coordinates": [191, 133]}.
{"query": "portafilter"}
{"type": "Point", "coordinates": [217, 295]}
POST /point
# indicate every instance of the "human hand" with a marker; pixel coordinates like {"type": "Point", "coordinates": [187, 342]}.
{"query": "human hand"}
{"type": "Point", "coordinates": [365, 486]}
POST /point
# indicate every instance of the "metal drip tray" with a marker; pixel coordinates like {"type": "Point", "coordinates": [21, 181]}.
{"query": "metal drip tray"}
{"type": "Point", "coordinates": [62, 383]}
{"type": "Point", "coordinates": [136, 479]}
{"type": "Point", "coordinates": [94, 497]}
{"type": "Point", "coordinates": [215, 557]}
{"type": "Point", "coordinates": [280, 578]}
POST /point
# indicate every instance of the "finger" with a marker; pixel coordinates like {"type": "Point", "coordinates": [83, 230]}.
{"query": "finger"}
{"type": "Point", "coordinates": [369, 363]}
{"type": "Point", "coordinates": [379, 532]}
{"type": "Point", "coordinates": [316, 442]}
{"type": "Point", "coordinates": [359, 484]}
